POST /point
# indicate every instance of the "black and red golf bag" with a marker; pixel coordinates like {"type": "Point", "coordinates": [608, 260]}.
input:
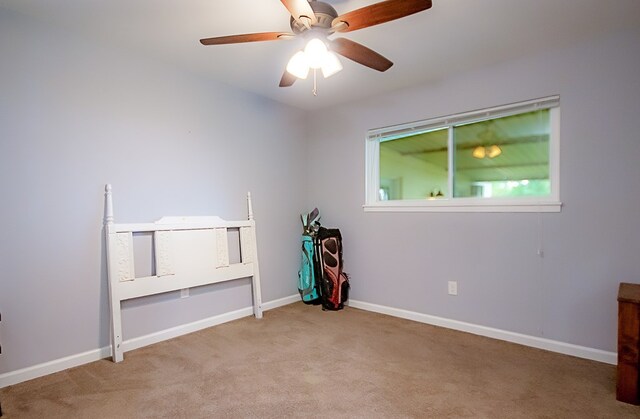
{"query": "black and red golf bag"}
{"type": "Point", "coordinates": [334, 283]}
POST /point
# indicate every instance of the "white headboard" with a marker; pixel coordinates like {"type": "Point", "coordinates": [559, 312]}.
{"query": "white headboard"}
{"type": "Point", "coordinates": [189, 252]}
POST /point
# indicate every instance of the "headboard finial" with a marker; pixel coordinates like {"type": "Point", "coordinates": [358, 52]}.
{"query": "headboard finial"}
{"type": "Point", "coordinates": [108, 205]}
{"type": "Point", "coordinates": [249, 206]}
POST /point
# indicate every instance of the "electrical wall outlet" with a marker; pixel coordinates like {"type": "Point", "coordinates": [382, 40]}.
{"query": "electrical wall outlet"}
{"type": "Point", "coordinates": [184, 293]}
{"type": "Point", "coordinates": [453, 287]}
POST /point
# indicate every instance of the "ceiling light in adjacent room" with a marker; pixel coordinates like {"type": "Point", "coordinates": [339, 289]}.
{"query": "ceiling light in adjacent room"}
{"type": "Point", "coordinates": [479, 152]}
{"type": "Point", "coordinates": [493, 151]}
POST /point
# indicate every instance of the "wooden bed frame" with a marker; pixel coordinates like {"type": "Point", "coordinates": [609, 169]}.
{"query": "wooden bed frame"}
{"type": "Point", "coordinates": [189, 252]}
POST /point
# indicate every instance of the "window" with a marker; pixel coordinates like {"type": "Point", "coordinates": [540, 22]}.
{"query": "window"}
{"type": "Point", "coordinates": [503, 159]}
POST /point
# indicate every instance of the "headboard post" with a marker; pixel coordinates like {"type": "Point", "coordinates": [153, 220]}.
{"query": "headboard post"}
{"type": "Point", "coordinates": [112, 268]}
{"type": "Point", "coordinates": [108, 210]}
{"type": "Point", "coordinates": [249, 207]}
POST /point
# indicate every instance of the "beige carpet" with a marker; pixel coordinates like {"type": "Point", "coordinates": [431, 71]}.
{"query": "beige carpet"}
{"type": "Point", "coordinates": [302, 362]}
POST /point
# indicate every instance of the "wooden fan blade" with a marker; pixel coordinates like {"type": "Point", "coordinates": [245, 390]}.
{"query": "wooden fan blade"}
{"type": "Point", "coordinates": [360, 54]}
{"type": "Point", "coordinates": [247, 37]}
{"type": "Point", "coordinates": [301, 11]}
{"type": "Point", "coordinates": [378, 13]}
{"type": "Point", "coordinates": [287, 79]}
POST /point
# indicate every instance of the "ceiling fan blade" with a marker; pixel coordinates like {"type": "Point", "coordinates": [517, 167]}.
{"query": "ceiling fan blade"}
{"type": "Point", "coordinates": [360, 54]}
{"type": "Point", "coordinates": [247, 37]}
{"type": "Point", "coordinates": [287, 79]}
{"type": "Point", "coordinates": [301, 11]}
{"type": "Point", "coordinates": [378, 13]}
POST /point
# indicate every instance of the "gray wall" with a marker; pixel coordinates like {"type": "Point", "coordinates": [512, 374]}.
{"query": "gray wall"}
{"type": "Point", "coordinates": [405, 260]}
{"type": "Point", "coordinates": [75, 115]}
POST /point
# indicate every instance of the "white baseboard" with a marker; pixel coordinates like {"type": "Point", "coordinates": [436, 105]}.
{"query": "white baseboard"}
{"type": "Point", "coordinates": [18, 376]}
{"type": "Point", "coordinates": [174, 332]}
{"type": "Point", "coordinates": [29, 373]}
{"type": "Point", "coordinates": [527, 340]}
{"type": "Point", "coordinates": [35, 371]}
{"type": "Point", "coordinates": [270, 305]}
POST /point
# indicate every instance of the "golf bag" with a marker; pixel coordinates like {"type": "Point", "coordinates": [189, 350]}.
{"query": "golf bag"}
{"type": "Point", "coordinates": [334, 283]}
{"type": "Point", "coordinates": [308, 286]}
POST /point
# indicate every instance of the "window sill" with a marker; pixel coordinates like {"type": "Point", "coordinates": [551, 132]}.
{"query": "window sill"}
{"type": "Point", "coordinates": [448, 206]}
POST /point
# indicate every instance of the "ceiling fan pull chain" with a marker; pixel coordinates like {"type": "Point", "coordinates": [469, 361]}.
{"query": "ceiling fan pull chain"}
{"type": "Point", "coordinates": [315, 83]}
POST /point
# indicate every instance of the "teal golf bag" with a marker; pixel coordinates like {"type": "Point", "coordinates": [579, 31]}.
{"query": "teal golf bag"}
{"type": "Point", "coordinates": [308, 286]}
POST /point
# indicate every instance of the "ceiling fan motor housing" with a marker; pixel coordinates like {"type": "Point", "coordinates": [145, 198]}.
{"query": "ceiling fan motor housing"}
{"type": "Point", "coordinates": [325, 13]}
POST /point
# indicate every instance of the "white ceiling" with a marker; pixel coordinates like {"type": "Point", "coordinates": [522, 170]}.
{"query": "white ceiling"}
{"type": "Point", "coordinates": [453, 36]}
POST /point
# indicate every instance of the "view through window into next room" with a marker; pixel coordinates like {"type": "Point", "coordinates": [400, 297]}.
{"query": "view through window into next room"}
{"type": "Point", "coordinates": [498, 155]}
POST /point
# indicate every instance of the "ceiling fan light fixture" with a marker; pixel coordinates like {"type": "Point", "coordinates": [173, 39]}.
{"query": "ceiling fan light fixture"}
{"type": "Point", "coordinates": [331, 65]}
{"type": "Point", "coordinates": [311, 19]}
{"type": "Point", "coordinates": [316, 52]}
{"type": "Point", "coordinates": [298, 65]}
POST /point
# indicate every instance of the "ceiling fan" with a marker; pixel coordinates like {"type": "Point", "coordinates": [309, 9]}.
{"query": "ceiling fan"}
{"type": "Point", "coordinates": [315, 21]}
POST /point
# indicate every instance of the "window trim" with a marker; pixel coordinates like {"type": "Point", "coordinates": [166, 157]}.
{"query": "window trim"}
{"type": "Point", "coordinates": [550, 203]}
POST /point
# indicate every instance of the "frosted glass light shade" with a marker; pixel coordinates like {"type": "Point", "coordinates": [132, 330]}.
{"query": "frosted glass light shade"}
{"type": "Point", "coordinates": [479, 152]}
{"type": "Point", "coordinates": [298, 65]}
{"type": "Point", "coordinates": [316, 52]}
{"type": "Point", "coordinates": [331, 64]}
{"type": "Point", "coordinates": [493, 151]}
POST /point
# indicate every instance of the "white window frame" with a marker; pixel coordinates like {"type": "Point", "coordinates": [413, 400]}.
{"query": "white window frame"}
{"type": "Point", "coordinates": [550, 203]}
